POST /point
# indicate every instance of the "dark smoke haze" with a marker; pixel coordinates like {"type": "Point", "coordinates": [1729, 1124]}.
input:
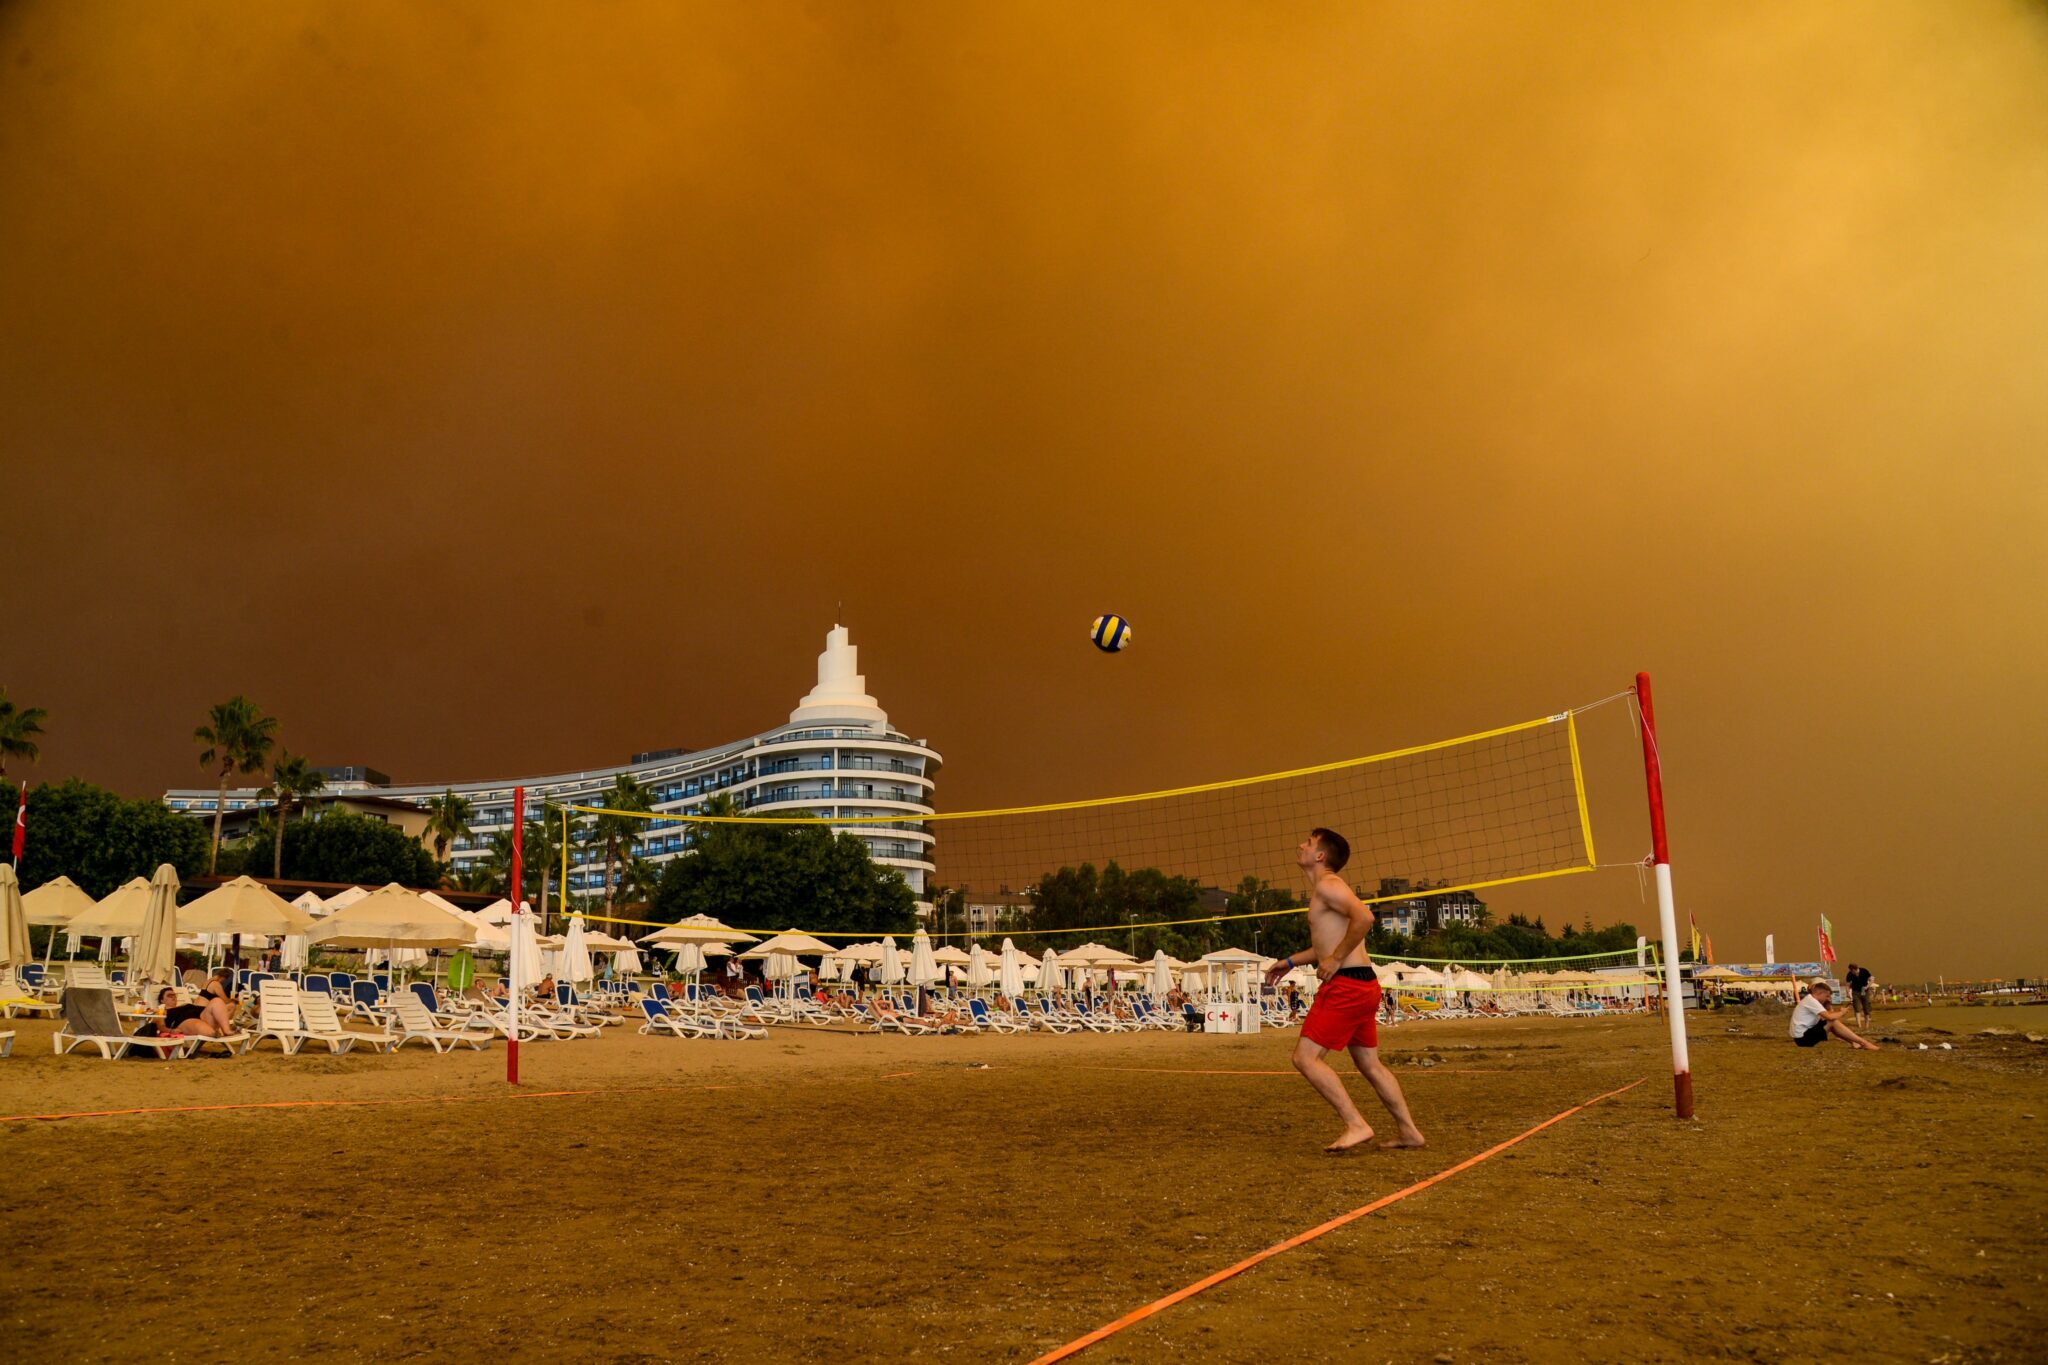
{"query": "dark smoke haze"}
{"type": "Point", "coordinates": [498, 388]}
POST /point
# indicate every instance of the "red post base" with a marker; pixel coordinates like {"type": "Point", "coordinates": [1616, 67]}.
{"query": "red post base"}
{"type": "Point", "coordinates": [1681, 1090]}
{"type": "Point", "coordinates": [512, 1068]}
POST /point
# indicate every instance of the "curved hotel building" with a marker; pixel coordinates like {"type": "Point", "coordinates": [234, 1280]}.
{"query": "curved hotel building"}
{"type": "Point", "coordinates": [837, 757]}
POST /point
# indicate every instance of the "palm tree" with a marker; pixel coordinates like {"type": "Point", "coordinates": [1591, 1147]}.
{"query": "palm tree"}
{"type": "Point", "coordinates": [447, 820]}
{"type": "Point", "coordinates": [237, 736]}
{"type": "Point", "coordinates": [543, 851]}
{"type": "Point", "coordinates": [290, 779]}
{"type": "Point", "coordinates": [19, 726]}
{"type": "Point", "coordinates": [619, 833]}
{"type": "Point", "coordinates": [640, 878]}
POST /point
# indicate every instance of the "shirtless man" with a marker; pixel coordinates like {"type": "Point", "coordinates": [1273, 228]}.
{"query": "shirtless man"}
{"type": "Point", "coordinates": [1345, 1013]}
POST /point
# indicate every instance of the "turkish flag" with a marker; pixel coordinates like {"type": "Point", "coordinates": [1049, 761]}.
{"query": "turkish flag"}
{"type": "Point", "coordinates": [20, 824]}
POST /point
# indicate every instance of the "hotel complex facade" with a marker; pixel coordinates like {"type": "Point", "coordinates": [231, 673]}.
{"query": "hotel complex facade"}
{"type": "Point", "coordinates": [836, 758]}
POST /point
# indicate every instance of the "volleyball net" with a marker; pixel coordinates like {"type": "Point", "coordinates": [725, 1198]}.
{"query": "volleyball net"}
{"type": "Point", "coordinates": [1502, 806]}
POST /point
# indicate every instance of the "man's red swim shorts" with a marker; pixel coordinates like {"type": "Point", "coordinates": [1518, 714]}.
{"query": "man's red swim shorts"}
{"type": "Point", "coordinates": [1346, 1013]}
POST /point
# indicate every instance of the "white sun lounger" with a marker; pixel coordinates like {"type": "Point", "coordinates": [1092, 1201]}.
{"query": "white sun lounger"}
{"type": "Point", "coordinates": [277, 1016]}
{"type": "Point", "coordinates": [89, 1018]}
{"type": "Point", "coordinates": [316, 1014]}
{"type": "Point", "coordinates": [414, 1021]}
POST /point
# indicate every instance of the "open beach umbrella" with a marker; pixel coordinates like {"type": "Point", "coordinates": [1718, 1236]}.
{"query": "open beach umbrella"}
{"type": "Point", "coordinates": [341, 900]}
{"type": "Point", "coordinates": [788, 943]}
{"type": "Point", "coordinates": [393, 917]}
{"type": "Point", "coordinates": [949, 956]}
{"type": "Point", "coordinates": [892, 964]}
{"type": "Point", "coordinates": [57, 901]}
{"type": "Point", "coordinates": [118, 913]}
{"type": "Point", "coordinates": [1010, 979]}
{"type": "Point", "coordinates": [924, 971]}
{"type": "Point", "coordinates": [153, 954]}
{"type": "Point", "coordinates": [498, 911]}
{"type": "Point", "coordinates": [13, 921]}
{"type": "Point", "coordinates": [576, 966]}
{"type": "Point", "coordinates": [696, 929]}
{"type": "Point", "coordinates": [243, 905]}
{"type": "Point", "coordinates": [1050, 975]}
{"type": "Point", "coordinates": [1162, 974]}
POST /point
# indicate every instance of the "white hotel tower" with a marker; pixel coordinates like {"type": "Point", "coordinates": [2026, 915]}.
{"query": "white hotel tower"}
{"type": "Point", "coordinates": [837, 757]}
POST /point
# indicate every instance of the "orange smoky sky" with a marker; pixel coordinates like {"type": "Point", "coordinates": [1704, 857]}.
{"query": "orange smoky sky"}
{"type": "Point", "coordinates": [495, 388]}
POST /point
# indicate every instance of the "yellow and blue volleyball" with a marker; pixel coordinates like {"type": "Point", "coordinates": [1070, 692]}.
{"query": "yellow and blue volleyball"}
{"type": "Point", "coordinates": [1110, 633]}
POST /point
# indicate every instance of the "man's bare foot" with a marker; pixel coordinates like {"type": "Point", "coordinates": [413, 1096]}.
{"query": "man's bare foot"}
{"type": "Point", "coordinates": [1405, 1140]}
{"type": "Point", "coordinates": [1352, 1137]}
{"type": "Point", "coordinates": [1870, 1047]}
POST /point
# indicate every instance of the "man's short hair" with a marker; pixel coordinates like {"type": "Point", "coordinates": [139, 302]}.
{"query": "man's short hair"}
{"type": "Point", "coordinates": [1827, 986]}
{"type": "Point", "coordinates": [1336, 848]}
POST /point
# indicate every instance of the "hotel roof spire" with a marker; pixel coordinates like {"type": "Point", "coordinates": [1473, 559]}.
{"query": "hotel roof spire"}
{"type": "Point", "coordinates": [841, 693]}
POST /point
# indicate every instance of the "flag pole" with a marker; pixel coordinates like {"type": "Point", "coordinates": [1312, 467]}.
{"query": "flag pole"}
{"type": "Point", "coordinates": [1667, 909]}
{"type": "Point", "coordinates": [512, 965]}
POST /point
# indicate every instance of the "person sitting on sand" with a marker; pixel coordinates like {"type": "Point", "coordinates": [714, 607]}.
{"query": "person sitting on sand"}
{"type": "Point", "coordinates": [1813, 1022]}
{"type": "Point", "coordinates": [208, 1020]}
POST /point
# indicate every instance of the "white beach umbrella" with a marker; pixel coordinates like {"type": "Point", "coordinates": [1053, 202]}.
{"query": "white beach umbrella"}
{"type": "Point", "coordinates": [1050, 975]}
{"type": "Point", "coordinates": [923, 970]}
{"type": "Point", "coordinates": [13, 921]}
{"type": "Point", "coordinates": [498, 911]}
{"type": "Point", "coordinates": [1010, 980]}
{"type": "Point", "coordinates": [525, 965]}
{"type": "Point", "coordinates": [341, 900]}
{"type": "Point", "coordinates": [1162, 974]}
{"type": "Point", "coordinates": [788, 943]}
{"type": "Point", "coordinates": [892, 964]}
{"type": "Point", "coordinates": [242, 905]}
{"type": "Point", "coordinates": [696, 929]}
{"type": "Point", "coordinates": [690, 958]}
{"type": "Point", "coordinates": [576, 967]}
{"type": "Point", "coordinates": [626, 961]}
{"type": "Point", "coordinates": [949, 956]}
{"type": "Point", "coordinates": [57, 901]}
{"type": "Point", "coordinates": [866, 954]}
{"type": "Point", "coordinates": [153, 955]}
{"type": "Point", "coordinates": [978, 968]}
{"type": "Point", "coordinates": [118, 913]}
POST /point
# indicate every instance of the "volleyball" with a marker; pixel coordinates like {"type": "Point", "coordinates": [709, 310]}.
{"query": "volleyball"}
{"type": "Point", "coordinates": [1110, 633]}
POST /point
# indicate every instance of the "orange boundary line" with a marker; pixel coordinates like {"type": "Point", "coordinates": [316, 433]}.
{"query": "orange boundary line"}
{"type": "Point", "coordinates": [350, 1104]}
{"type": "Point", "coordinates": [1080, 1344]}
{"type": "Point", "coordinates": [1199, 1071]}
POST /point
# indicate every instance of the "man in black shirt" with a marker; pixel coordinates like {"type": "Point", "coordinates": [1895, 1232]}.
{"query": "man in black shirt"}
{"type": "Point", "coordinates": [1858, 979]}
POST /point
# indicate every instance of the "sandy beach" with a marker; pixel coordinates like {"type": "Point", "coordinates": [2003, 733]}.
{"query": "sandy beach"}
{"type": "Point", "coordinates": [821, 1195]}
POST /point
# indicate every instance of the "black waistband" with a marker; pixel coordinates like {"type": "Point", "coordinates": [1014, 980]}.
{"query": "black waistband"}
{"type": "Point", "coordinates": [1358, 973]}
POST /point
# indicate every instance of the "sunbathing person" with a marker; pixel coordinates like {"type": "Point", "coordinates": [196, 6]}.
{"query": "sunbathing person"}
{"type": "Point", "coordinates": [209, 1020]}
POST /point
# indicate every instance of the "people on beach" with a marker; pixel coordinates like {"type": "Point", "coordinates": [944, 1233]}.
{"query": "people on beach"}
{"type": "Point", "coordinates": [209, 1019]}
{"type": "Point", "coordinates": [1345, 1013]}
{"type": "Point", "coordinates": [1813, 1023]}
{"type": "Point", "coordinates": [1858, 980]}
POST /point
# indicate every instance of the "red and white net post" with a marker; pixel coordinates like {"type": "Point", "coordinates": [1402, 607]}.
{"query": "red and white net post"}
{"type": "Point", "coordinates": [1667, 908]}
{"type": "Point", "coordinates": [518, 907]}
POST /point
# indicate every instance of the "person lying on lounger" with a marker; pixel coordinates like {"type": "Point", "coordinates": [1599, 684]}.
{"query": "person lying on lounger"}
{"type": "Point", "coordinates": [209, 1019]}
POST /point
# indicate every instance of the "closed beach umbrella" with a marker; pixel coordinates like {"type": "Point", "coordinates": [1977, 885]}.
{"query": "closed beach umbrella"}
{"type": "Point", "coordinates": [626, 960]}
{"type": "Point", "coordinates": [153, 954]}
{"type": "Point", "coordinates": [892, 964]}
{"type": "Point", "coordinates": [923, 970]}
{"type": "Point", "coordinates": [1050, 976]}
{"type": "Point", "coordinates": [1162, 974]}
{"type": "Point", "coordinates": [13, 920]}
{"type": "Point", "coordinates": [524, 958]}
{"type": "Point", "coordinates": [1010, 980]}
{"type": "Point", "coordinates": [690, 958]}
{"type": "Point", "coordinates": [576, 967]}
{"type": "Point", "coordinates": [977, 968]}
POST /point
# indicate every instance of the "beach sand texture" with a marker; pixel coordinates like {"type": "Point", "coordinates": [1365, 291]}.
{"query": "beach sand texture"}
{"type": "Point", "coordinates": [833, 1196]}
